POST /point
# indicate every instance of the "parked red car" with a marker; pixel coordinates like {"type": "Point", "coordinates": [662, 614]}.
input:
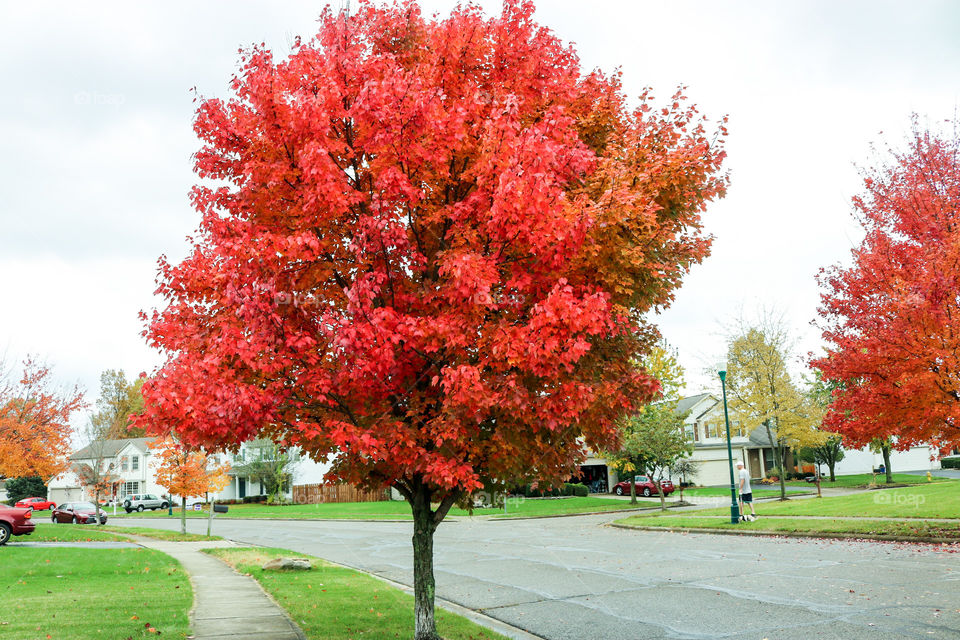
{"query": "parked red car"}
{"type": "Point", "coordinates": [37, 504]}
{"type": "Point", "coordinates": [78, 513]}
{"type": "Point", "coordinates": [645, 487]}
{"type": "Point", "coordinates": [15, 521]}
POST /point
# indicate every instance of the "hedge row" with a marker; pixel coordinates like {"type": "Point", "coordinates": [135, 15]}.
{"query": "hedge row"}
{"type": "Point", "coordinates": [568, 489]}
{"type": "Point", "coordinates": [950, 463]}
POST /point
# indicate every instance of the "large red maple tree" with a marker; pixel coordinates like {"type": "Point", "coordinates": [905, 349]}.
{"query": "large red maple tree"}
{"type": "Point", "coordinates": [427, 250]}
{"type": "Point", "coordinates": [891, 319]}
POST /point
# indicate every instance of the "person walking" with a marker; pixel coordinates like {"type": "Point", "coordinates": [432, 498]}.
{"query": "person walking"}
{"type": "Point", "coordinates": [745, 491]}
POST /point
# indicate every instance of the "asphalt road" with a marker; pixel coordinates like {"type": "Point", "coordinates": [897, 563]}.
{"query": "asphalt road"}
{"type": "Point", "coordinates": [575, 579]}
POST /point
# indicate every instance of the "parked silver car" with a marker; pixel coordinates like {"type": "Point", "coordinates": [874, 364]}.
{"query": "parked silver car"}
{"type": "Point", "coordinates": [141, 501]}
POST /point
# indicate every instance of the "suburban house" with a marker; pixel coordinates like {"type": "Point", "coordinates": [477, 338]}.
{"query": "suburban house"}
{"type": "Point", "coordinates": [133, 463]}
{"type": "Point", "coordinates": [130, 461]}
{"type": "Point", "coordinates": [706, 427]}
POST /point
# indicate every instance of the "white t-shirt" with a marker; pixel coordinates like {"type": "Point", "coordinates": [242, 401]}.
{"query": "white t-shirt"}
{"type": "Point", "coordinates": [745, 482]}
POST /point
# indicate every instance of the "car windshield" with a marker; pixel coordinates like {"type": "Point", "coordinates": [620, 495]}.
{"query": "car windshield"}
{"type": "Point", "coordinates": [83, 506]}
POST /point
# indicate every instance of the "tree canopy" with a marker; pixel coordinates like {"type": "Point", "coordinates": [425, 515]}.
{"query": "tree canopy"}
{"type": "Point", "coordinates": [35, 421]}
{"type": "Point", "coordinates": [890, 317]}
{"type": "Point", "coordinates": [426, 249]}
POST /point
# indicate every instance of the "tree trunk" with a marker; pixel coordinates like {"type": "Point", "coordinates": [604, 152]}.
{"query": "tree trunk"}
{"type": "Point", "coordinates": [886, 463]}
{"type": "Point", "coordinates": [778, 455]}
{"type": "Point", "coordinates": [96, 505]}
{"type": "Point", "coordinates": [183, 515]}
{"type": "Point", "coordinates": [424, 587]}
{"type": "Point", "coordinates": [663, 502]}
{"type": "Point", "coordinates": [633, 489]}
{"type": "Point", "coordinates": [832, 464]}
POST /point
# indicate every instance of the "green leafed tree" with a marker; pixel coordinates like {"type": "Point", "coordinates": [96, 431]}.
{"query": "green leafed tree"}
{"type": "Point", "coordinates": [271, 465]}
{"type": "Point", "coordinates": [829, 453]}
{"type": "Point", "coordinates": [653, 439]}
{"type": "Point", "coordinates": [120, 400]}
{"type": "Point", "coordinates": [28, 487]}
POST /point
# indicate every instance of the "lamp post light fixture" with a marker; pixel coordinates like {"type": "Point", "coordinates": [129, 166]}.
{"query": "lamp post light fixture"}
{"type": "Point", "coordinates": [734, 507]}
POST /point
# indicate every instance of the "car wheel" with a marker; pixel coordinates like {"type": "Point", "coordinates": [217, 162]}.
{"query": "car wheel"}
{"type": "Point", "coordinates": [165, 505]}
{"type": "Point", "coordinates": [646, 492]}
{"type": "Point", "coordinates": [619, 491]}
{"type": "Point", "coordinates": [140, 507]}
{"type": "Point", "coordinates": [76, 520]}
{"type": "Point", "coordinates": [53, 518]}
{"type": "Point", "coordinates": [5, 532]}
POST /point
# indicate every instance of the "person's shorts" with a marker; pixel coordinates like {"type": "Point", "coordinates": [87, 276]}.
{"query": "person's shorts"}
{"type": "Point", "coordinates": [746, 497]}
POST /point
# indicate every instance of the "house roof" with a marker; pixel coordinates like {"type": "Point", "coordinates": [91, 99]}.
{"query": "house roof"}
{"type": "Point", "coordinates": [688, 403]}
{"type": "Point", "coordinates": [111, 448]}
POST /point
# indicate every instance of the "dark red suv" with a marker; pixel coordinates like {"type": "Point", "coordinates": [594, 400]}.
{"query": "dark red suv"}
{"type": "Point", "coordinates": [645, 487]}
{"type": "Point", "coordinates": [15, 522]}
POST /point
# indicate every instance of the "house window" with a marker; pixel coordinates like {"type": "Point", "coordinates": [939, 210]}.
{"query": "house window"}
{"type": "Point", "coordinates": [135, 463]}
{"type": "Point", "coordinates": [696, 431]}
{"type": "Point", "coordinates": [130, 488]}
{"type": "Point", "coordinates": [124, 463]}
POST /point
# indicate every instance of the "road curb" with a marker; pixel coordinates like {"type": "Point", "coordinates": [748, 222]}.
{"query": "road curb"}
{"type": "Point", "coordinates": [793, 534]}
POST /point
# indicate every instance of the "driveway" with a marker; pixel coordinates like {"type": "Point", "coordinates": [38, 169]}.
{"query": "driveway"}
{"type": "Point", "coordinates": [575, 579]}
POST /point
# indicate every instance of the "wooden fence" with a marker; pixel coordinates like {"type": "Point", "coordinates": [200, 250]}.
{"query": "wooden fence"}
{"type": "Point", "coordinates": [318, 493]}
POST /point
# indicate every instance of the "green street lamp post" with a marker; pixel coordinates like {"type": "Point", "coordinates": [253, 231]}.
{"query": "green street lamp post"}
{"type": "Point", "coordinates": [734, 507]}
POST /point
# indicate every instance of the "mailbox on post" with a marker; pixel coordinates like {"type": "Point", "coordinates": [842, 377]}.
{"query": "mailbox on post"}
{"type": "Point", "coordinates": [217, 508]}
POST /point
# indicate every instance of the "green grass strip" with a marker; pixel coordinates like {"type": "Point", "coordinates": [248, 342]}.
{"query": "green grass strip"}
{"type": "Point", "coordinates": [336, 603]}
{"type": "Point", "coordinates": [400, 510]}
{"type": "Point", "coordinates": [805, 525]}
{"type": "Point", "coordinates": [933, 500]}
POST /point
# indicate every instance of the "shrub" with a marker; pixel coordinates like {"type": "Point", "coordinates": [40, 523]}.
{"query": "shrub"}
{"type": "Point", "coordinates": [580, 490]}
{"type": "Point", "coordinates": [950, 463]}
{"type": "Point", "coordinates": [568, 489]}
{"type": "Point", "coordinates": [254, 499]}
{"type": "Point", "coordinates": [774, 472]}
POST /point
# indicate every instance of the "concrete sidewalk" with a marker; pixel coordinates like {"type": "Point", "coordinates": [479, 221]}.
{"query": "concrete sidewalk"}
{"type": "Point", "coordinates": [225, 603]}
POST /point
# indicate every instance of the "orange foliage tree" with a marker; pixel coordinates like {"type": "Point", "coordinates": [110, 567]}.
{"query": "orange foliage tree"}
{"type": "Point", "coordinates": [35, 421]}
{"type": "Point", "coordinates": [891, 318]}
{"type": "Point", "coordinates": [187, 471]}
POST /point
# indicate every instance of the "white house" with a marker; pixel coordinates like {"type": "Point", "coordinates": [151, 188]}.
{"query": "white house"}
{"type": "Point", "coordinates": [132, 460]}
{"type": "Point", "coordinates": [705, 425]}
{"type": "Point", "coordinates": [129, 460]}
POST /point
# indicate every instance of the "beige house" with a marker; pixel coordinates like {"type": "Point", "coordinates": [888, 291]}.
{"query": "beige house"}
{"type": "Point", "coordinates": [706, 427]}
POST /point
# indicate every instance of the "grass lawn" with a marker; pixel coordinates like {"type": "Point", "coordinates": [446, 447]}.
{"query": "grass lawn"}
{"type": "Point", "coordinates": [724, 492]}
{"type": "Point", "coordinates": [334, 603]}
{"type": "Point", "coordinates": [162, 534]}
{"type": "Point", "coordinates": [930, 500]}
{"type": "Point", "coordinates": [92, 594]}
{"type": "Point", "coordinates": [791, 525]}
{"type": "Point", "coordinates": [49, 532]}
{"type": "Point", "coordinates": [400, 510]}
{"type": "Point", "coordinates": [862, 480]}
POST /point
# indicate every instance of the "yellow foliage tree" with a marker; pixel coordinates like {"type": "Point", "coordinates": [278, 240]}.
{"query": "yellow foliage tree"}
{"type": "Point", "coordinates": [763, 391]}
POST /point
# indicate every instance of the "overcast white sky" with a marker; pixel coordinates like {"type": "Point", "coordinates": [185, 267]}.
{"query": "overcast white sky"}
{"type": "Point", "coordinates": [96, 139]}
